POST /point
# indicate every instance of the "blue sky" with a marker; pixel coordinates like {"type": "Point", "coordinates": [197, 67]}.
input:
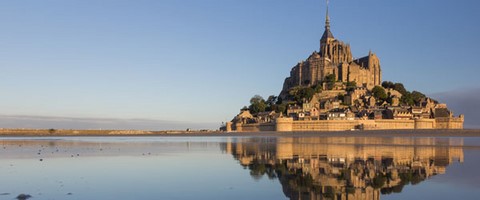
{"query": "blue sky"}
{"type": "Point", "coordinates": [202, 60]}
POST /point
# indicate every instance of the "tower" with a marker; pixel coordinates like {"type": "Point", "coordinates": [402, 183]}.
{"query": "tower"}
{"type": "Point", "coordinates": [327, 34]}
{"type": "Point", "coordinates": [333, 50]}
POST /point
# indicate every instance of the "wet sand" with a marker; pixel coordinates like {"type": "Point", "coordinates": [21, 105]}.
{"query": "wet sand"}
{"type": "Point", "coordinates": [372, 133]}
{"type": "Point", "coordinates": [364, 133]}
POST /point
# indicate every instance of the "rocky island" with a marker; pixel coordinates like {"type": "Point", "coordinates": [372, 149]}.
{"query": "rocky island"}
{"type": "Point", "coordinates": [333, 91]}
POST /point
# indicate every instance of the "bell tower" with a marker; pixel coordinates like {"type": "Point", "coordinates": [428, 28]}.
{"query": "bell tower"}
{"type": "Point", "coordinates": [327, 35]}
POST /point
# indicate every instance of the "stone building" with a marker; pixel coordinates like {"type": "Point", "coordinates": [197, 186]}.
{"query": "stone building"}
{"type": "Point", "coordinates": [334, 57]}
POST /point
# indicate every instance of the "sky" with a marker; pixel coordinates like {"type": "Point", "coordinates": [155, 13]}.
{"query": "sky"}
{"type": "Point", "coordinates": [195, 62]}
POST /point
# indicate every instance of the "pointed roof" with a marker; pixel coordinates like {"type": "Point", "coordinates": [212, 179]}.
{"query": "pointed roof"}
{"type": "Point", "coordinates": [327, 34]}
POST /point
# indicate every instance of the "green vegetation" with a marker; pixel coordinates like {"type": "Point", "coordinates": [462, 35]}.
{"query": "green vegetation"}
{"type": "Point", "coordinates": [330, 80]}
{"type": "Point", "coordinates": [317, 88]}
{"type": "Point", "coordinates": [400, 88]}
{"type": "Point", "coordinates": [258, 170]}
{"type": "Point", "coordinates": [379, 181]}
{"type": "Point", "coordinates": [412, 177]}
{"type": "Point", "coordinates": [259, 104]}
{"type": "Point", "coordinates": [300, 93]}
{"type": "Point", "coordinates": [281, 108]}
{"type": "Point", "coordinates": [379, 93]}
{"type": "Point", "coordinates": [396, 86]}
{"type": "Point", "coordinates": [412, 98]}
{"type": "Point", "coordinates": [340, 97]}
{"type": "Point", "coordinates": [271, 102]}
{"type": "Point", "coordinates": [408, 98]}
{"type": "Point", "coordinates": [351, 86]}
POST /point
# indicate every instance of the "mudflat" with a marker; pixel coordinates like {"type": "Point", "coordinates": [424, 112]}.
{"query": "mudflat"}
{"type": "Point", "coordinates": [357, 133]}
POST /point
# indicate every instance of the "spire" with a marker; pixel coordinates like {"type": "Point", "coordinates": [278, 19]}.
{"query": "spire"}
{"type": "Point", "coordinates": [327, 34]}
{"type": "Point", "coordinates": [327, 20]}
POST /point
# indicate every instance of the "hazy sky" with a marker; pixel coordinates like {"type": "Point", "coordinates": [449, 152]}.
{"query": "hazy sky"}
{"type": "Point", "coordinates": [202, 60]}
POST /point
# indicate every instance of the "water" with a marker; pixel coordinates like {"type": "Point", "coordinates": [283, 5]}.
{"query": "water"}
{"type": "Point", "coordinates": [240, 168]}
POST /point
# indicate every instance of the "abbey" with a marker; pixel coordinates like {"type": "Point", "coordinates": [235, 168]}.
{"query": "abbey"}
{"type": "Point", "coordinates": [332, 91]}
{"type": "Point", "coordinates": [334, 58]}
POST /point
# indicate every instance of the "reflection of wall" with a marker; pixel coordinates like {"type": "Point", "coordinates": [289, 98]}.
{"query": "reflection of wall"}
{"type": "Point", "coordinates": [370, 147]}
{"type": "Point", "coordinates": [348, 167]}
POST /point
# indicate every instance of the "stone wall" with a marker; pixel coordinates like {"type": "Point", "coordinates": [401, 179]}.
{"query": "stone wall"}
{"type": "Point", "coordinates": [425, 124]}
{"type": "Point", "coordinates": [288, 124]}
{"type": "Point", "coordinates": [256, 127]}
{"type": "Point", "coordinates": [284, 124]}
{"type": "Point", "coordinates": [327, 125]}
{"type": "Point", "coordinates": [450, 123]}
{"type": "Point", "coordinates": [383, 124]}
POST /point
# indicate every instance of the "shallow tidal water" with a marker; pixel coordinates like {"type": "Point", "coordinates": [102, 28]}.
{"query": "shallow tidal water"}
{"type": "Point", "coordinates": [240, 167]}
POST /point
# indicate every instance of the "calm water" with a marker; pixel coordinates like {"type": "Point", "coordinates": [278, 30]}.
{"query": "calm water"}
{"type": "Point", "coordinates": [240, 168]}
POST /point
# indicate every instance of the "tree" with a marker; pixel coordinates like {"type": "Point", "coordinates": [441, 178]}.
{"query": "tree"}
{"type": "Point", "coordinates": [257, 104]}
{"type": "Point", "coordinates": [294, 90]}
{"type": "Point", "coordinates": [396, 86]}
{"type": "Point", "coordinates": [407, 99]}
{"type": "Point", "coordinates": [387, 84]}
{"type": "Point", "coordinates": [256, 98]}
{"type": "Point", "coordinates": [300, 93]}
{"type": "Point", "coordinates": [412, 98]}
{"type": "Point", "coordinates": [330, 80]}
{"type": "Point", "coordinates": [281, 108]}
{"type": "Point", "coordinates": [279, 101]}
{"type": "Point", "coordinates": [389, 99]}
{"type": "Point", "coordinates": [307, 93]}
{"type": "Point", "coordinates": [351, 86]}
{"type": "Point", "coordinates": [317, 88]}
{"type": "Point", "coordinates": [379, 93]}
{"type": "Point", "coordinates": [400, 88]}
{"type": "Point", "coordinates": [417, 96]}
{"type": "Point", "coordinates": [271, 100]}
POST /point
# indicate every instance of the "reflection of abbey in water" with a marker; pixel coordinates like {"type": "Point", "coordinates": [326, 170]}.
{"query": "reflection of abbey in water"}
{"type": "Point", "coordinates": [345, 168]}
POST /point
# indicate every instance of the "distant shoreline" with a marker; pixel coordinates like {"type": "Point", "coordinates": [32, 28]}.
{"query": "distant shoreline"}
{"type": "Point", "coordinates": [130, 133]}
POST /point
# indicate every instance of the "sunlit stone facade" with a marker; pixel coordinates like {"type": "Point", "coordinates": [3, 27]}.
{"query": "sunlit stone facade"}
{"type": "Point", "coordinates": [334, 57]}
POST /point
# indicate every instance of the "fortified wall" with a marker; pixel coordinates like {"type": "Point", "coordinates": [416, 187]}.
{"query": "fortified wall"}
{"type": "Point", "coordinates": [288, 124]}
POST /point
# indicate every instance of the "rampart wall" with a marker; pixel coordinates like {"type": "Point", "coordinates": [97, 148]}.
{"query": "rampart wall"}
{"type": "Point", "coordinates": [449, 123]}
{"type": "Point", "coordinates": [288, 124]}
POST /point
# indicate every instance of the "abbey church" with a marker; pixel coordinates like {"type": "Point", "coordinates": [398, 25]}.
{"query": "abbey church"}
{"type": "Point", "coordinates": [334, 58]}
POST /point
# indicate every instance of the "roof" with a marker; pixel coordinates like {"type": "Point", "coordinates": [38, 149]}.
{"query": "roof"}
{"type": "Point", "coordinates": [244, 114]}
{"type": "Point", "coordinates": [327, 34]}
{"type": "Point", "coordinates": [363, 61]}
